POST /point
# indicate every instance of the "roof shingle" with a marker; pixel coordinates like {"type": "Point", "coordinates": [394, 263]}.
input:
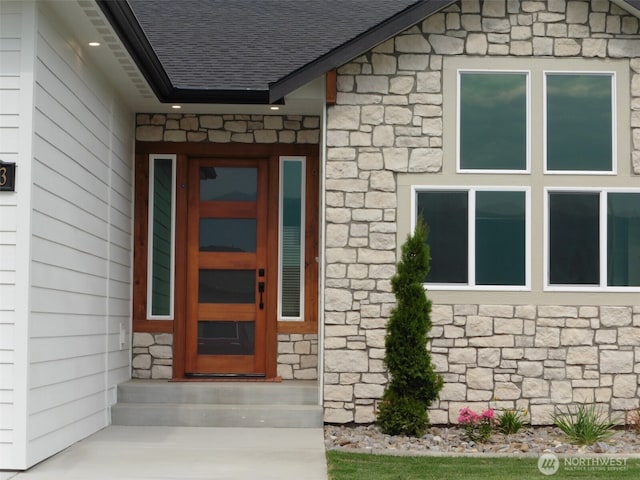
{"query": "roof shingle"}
{"type": "Point", "coordinates": [249, 44]}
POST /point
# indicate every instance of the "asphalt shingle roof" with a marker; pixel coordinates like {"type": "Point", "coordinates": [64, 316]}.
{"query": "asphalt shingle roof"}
{"type": "Point", "coordinates": [255, 51]}
{"type": "Point", "coordinates": [249, 44]}
{"type": "Point", "coordinates": [252, 51]}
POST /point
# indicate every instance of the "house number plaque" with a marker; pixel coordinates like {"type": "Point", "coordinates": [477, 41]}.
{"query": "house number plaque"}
{"type": "Point", "coordinates": [7, 177]}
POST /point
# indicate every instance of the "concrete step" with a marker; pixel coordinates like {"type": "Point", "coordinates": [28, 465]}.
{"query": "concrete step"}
{"type": "Point", "coordinates": [225, 393]}
{"type": "Point", "coordinates": [292, 404]}
{"type": "Point", "coordinates": [202, 415]}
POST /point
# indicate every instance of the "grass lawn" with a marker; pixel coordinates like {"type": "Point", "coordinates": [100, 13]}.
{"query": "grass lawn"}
{"type": "Point", "coordinates": [354, 466]}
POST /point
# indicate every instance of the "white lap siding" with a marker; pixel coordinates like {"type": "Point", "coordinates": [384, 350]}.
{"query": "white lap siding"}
{"type": "Point", "coordinates": [16, 54]}
{"type": "Point", "coordinates": [81, 246]}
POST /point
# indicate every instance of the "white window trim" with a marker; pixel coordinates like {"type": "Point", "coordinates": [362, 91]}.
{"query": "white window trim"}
{"type": "Point", "coordinates": [150, 316]}
{"type": "Point", "coordinates": [614, 123]}
{"type": "Point", "coordinates": [527, 169]}
{"type": "Point", "coordinates": [471, 207]}
{"type": "Point", "coordinates": [602, 238]}
{"type": "Point", "coordinates": [303, 195]}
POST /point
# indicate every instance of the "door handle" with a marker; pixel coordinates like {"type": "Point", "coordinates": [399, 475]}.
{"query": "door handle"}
{"type": "Point", "coordinates": [261, 291]}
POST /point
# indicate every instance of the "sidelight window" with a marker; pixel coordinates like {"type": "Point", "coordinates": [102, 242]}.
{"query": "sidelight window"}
{"type": "Point", "coordinates": [291, 239]}
{"type": "Point", "coordinates": [160, 267]}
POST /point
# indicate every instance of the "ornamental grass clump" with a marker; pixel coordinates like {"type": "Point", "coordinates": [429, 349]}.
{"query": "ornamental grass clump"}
{"type": "Point", "coordinates": [478, 427]}
{"type": "Point", "coordinates": [413, 383]}
{"type": "Point", "coordinates": [510, 421]}
{"type": "Point", "coordinates": [586, 426]}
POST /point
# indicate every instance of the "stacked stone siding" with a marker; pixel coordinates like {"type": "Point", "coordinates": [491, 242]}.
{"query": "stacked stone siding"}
{"type": "Point", "coordinates": [535, 358]}
{"type": "Point", "coordinates": [174, 127]}
{"type": "Point", "coordinates": [388, 120]}
{"type": "Point", "coordinates": [297, 354]}
{"type": "Point", "coordinates": [152, 355]}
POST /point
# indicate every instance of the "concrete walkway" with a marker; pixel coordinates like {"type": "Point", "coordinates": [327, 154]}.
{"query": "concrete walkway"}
{"type": "Point", "coordinates": [185, 453]}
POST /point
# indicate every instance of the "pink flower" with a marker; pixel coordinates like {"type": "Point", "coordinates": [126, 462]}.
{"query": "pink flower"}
{"type": "Point", "coordinates": [488, 414]}
{"type": "Point", "coordinates": [468, 416]}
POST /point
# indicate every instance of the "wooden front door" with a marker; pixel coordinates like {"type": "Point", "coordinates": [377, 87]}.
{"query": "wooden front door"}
{"type": "Point", "coordinates": [226, 267]}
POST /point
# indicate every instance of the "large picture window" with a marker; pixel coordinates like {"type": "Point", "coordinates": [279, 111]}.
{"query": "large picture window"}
{"type": "Point", "coordinates": [477, 236]}
{"type": "Point", "coordinates": [537, 191]}
{"type": "Point", "coordinates": [593, 238]}
{"type": "Point", "coordinates": [493, 121]}
{"type": "Point", "coordinates": [579, 129]}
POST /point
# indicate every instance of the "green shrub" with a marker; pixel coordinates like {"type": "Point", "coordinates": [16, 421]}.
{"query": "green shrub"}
{"type": "Point", "coordinates": [413, 384]}
{"type": "Point", "coordinates": [586, 426]}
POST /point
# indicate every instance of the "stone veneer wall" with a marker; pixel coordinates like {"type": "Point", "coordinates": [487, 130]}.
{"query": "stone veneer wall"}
{"type": "Point", "coordinates": [389, 119]}
{"type": "Point", "coordinates": [174, 127]}
{"type": "Point", "coordinates": [297, 354]}
{"type": "Point", "coordinates": [153, 356]}
{"type": "Point", "coordinates": [535, 358]}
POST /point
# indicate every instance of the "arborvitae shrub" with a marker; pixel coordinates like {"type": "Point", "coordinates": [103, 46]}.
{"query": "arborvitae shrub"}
{"type": "Point", "coordinates": [413, 384]}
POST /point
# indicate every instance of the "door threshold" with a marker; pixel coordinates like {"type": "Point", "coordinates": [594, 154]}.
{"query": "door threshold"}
{"type": "Point", "coordinates": [226, 378]}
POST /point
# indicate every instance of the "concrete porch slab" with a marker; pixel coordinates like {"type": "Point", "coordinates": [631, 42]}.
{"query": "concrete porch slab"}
{"type": "Point", "coordinates": [185, 453]}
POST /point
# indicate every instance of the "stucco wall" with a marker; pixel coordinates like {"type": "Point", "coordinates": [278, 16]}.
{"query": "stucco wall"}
{"type": "Point", "coordinates": [389, 130]}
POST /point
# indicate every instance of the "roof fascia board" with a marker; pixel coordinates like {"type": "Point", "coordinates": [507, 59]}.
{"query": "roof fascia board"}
{"type": "Point", "coordinates": [239, 97]}
{"type": "Point", "coordinates": [356, 47]}
{"type": "Point", "coordinates": [631, 6]}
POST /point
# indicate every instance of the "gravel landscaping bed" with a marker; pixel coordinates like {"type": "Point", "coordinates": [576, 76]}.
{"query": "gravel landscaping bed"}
{"type": "Point", "coordinates": [451, 440]}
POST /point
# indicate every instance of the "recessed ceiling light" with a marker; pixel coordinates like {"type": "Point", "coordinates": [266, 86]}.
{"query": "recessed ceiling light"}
{"type": "Point", "coordinates": [274, 107]}
{"type": "Point", "coordinates": [94, 44]}
{"type": "Point", "coordinates": [176, 106]}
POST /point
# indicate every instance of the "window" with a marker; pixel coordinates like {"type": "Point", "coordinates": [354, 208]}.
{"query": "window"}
{"type": "Point", "coordinates": [579, 128]}
{"type": "Point", "coordinates": [593, 238]}
{"type": "Point", "coordinates": [550, 134]}
{"type": "Point", "coordinates": [477, 237]}
{"type": "Point", "coordinates": [160, 269]}
{"type": "Point", "coordinates": [493, 121]}
{"type": "Point", "coordinates": [292, 239]}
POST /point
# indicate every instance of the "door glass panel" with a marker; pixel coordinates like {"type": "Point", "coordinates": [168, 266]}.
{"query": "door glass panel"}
{"type": "Point", "coordinates": [228, 184]}
{"type": "Point", "coordinates": [227, 286]}
{"type": "Point", "coordinates": [227, 235]}
{"type": "Point", "coordinates": [226, 338]}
